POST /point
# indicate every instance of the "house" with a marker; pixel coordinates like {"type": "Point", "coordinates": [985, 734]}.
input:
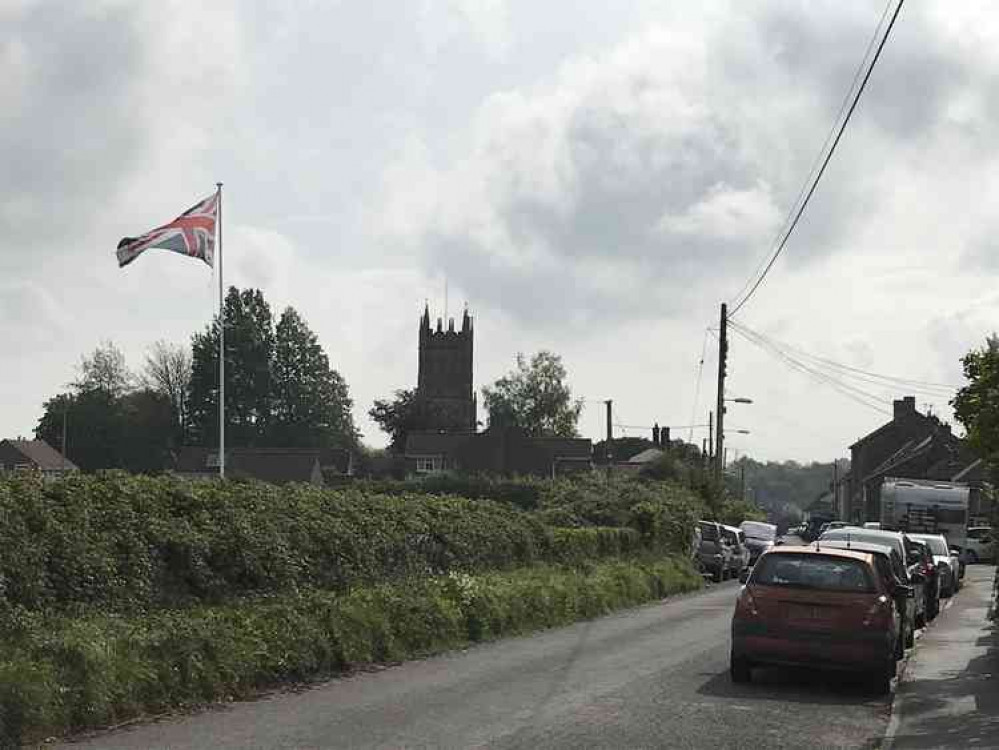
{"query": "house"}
{"type": "Point", "coordinates": [272, 465]}
{"type": "Point", "coordinates": [915, 446]}
{"type": "Point", "coordinates": [33, 455]}
{"type": "Point", "coordinates": [506, 450]}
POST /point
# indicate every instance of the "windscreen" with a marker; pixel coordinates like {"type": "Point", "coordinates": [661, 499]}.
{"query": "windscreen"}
{"type": "Point", "coordinates": [709, 532]}
{"type": "Point", "coordinates": [937, 546]}
{"type": "Point", "coordinates": [813, 572]}
{"type": "Point", "coordinates": [763, 531]}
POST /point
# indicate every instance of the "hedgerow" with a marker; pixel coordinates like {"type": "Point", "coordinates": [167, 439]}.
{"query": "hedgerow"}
{"type": "Point", "coordinates": [61, 673]}
{"type": "Point", "coordinates": [122, 543]}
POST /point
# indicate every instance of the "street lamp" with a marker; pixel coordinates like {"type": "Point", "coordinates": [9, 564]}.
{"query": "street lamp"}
{"type": "Point", "coordinates": [740, 400]}
{"type": "Point", "coordinates": [740, 432]}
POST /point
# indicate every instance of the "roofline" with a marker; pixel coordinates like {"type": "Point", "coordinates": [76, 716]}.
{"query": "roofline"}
{"type": "Point", "coordinates": [820, 550]}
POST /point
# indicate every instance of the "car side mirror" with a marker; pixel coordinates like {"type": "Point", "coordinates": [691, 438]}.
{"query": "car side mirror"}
{"type": "Point", "coordinates": [744, 576]}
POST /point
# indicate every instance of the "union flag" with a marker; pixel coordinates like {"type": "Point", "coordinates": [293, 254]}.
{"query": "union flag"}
{"type": "Point", "coordinates": [192, 233]}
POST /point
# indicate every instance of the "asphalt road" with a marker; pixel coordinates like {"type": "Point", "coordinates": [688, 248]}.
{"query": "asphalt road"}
{"type": "Point", "coordinates": [656, 676]}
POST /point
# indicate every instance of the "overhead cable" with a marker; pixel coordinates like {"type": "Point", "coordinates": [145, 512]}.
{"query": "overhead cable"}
{"type": "Point", "coordinates": [745, 297]}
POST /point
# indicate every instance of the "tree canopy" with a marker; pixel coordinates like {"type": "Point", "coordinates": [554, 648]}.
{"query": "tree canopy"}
{"type": "Point", "coordinates": [534, 397]}
{"type": "Point", "coordinates": [280, 388]}
{"type": "Point", "coordinates": [976, 405]}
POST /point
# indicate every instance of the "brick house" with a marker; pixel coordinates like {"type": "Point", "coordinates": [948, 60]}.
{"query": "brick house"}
{"type": "Point", "coordinates": [913, 446]}
{"type": "Point", "coordinates": [273, 465]}
{"type": "Point", "coordinates": [496, 450]}
{"type": "Point", "coordinates": [33, 455]}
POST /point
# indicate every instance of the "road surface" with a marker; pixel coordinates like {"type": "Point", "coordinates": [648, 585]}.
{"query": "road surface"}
{"type": "Point", "coordinates": [652, 677]}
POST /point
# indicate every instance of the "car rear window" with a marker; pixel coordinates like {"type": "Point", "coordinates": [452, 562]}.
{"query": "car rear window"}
{"type": "Point", "coordinates": [759, 530]}
{"type": "Point", "coordinates": [814, 572]}
{"type": "Point", "coordinates": [709, 532]}
{"type": "Point", "coordinates": [937, 546]}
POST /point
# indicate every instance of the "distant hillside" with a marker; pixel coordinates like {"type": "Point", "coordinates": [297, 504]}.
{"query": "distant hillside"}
{"type": "Point", "coordinates": [785, 488]}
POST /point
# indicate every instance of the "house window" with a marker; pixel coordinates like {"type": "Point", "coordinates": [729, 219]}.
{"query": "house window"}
{"type": "Point", "coordinates": [428, 464]}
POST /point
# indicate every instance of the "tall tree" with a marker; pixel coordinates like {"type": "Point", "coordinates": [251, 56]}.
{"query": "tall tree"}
{"type": "Point", "coordinates": [976, 405]}
{"type": "Point", "coordinates": [404, 413]}
{"type": "Point", "coordinates": [249, 350]}
{"type": "Point", "coordinates": [167, 372]}
{"type": "Point", "coordinates": [105, 371]}
{"type": "Point", "coordinates": [535, 397]}
{"type": "Point", "coordinates": [109, 424]}
{"type": "Point", "coordinates": [311, 401]}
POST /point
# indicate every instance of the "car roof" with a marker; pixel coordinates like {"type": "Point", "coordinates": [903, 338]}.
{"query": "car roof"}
{"type": "Point", "coordinates": [827, 551]}
{"type": "Point", "coordinates": [927, 537]}
{"type": "Point", "coordinates": [881, 549]}
{"type": "Point", "coordinates": [846, 530]}
{"type": "Point", "coordinates": [730, 528]}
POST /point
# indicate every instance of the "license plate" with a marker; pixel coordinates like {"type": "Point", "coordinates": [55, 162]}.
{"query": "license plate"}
{"type": "Point", "coordinates": [805, 612]}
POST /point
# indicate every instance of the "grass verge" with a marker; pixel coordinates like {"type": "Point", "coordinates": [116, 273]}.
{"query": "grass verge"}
{"type": "Point", "coordinates": [60, 675]}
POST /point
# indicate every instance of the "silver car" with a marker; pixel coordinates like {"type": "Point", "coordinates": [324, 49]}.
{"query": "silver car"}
{"type": "Point", "coordinates": [943, 560]}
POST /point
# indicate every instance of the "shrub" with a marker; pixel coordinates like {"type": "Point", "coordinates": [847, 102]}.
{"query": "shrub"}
{"type": "Point", "coordinates": [70, 673]}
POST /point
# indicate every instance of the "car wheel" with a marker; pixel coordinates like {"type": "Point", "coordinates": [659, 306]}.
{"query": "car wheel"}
{"type": "Point", "coordinates": [900, 646]}
{"type": "Point", "coordinates": [972, 556]}
{"type": "Point", "coordinates": [719, 575]}
{"type": "Point", "coordinates": [881, 679]}
{"type": "Point", "coordinates": [740, 670]}
{"type": "Point", "coordinates": [920, 619]}
{"type": "Point", "coordinates": [910, 637]}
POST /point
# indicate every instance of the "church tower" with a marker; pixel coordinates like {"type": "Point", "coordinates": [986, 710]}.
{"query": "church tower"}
{"type": "Point", "coordinates": [444, 383]}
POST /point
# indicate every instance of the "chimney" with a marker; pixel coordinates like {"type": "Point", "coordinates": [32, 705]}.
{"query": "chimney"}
{"type": "Point", "coordinates": [664, 439]}
{"type": "Point", "coordinates": [655, 434]}
{"type": "Point", "coordinates": [904, 407]}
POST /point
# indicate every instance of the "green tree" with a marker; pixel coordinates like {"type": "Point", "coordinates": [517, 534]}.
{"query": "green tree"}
{"type": "Point", "coordinates": [976, 405]}
{"type": "Point", "coordinates": [534, 397]}
{"type": "Point", "coordinates": [406, 412]}
{"type": "Point", "coordinates": [108, 422]}
{"type": "Point", "coordinates": [167, 371]}
{"type": "Point", "coordinates": [311, 401]}
{"type": "Point", "coordinates": [249, 351]}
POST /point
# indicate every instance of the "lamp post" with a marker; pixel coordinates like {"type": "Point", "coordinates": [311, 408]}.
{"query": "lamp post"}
{"type": "Point", "coordinates": [720, 455]}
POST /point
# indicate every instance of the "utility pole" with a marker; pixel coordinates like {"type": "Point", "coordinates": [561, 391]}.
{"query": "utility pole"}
{"type": "Point", "coordinates": [836, 508]}
{"type": "Point", "coordinates": [610, 435]}
{"type": "Point", "coordinates": [711, 434]}
{"type": "Point", "coordinates": [720, 407]}
{"type": "Point", "coordinates": [65, 413]}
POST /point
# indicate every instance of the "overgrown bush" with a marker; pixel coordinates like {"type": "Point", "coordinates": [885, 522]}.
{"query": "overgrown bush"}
{"type": "Point", "coordinates": [122, 542]}
{"type": "Point", "coordinates": [65, 673]}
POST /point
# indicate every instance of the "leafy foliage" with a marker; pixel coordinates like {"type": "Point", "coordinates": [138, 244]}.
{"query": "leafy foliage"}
{"type": "Point", "coordinates": [406, 412]}
{"type": "Point", "coordinates": [976, 405]}
{"type": "Point", "coordinates": [59, 674]}
{"type": "Point", "coordinates": [311, 406]}
{"type": "Point", "coordinates": [109, 422]}
{"type": "Point", "coordinates": [280, 388]}
{"type": "Point", "coordinates": [249, 350]}
{"type": "Point", "coordinates": [534, 397]}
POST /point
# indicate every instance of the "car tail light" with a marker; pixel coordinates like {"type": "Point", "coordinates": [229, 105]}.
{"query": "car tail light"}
{"type": "Point", "coordinates": [879, 613]}
{"type": "Point", "coordinates": [745, 605]}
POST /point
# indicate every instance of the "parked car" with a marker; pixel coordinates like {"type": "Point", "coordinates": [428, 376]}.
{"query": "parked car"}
{"type": "Point", "coordinates": [903, 594]}
{"type": "Point", "coordinates": [821, 607]}
{"type": "Point", "coordinates": [713, 554]}
{"type": "Point", "coordinates": [739, 558]}
{"type": "Point", "coordinates": [979, 545]}
{"type": "Point", "coordinates": [947, 565]}
{"type": "Point", "coordinates": [922, 559]}
{"type": "Point", "coordinates": [873, 525]}
{"type": "Point", "coordinates": [759, 538]}
{"type": "Point", "coordinates": [897, 540]}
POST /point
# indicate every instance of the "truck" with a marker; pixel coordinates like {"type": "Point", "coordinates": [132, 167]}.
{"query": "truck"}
{"type": "Point", "coordinates": [924, 506]}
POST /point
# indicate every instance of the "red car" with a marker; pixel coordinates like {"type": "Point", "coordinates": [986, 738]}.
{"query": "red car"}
{"type": "Point", "coordinates": [827, 608]}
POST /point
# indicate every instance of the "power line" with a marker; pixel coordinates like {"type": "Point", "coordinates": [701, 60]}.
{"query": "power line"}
{"type": "Point", "coordinates": [818, 156]}
{"type": "Point", "coordinates": [697, 387]}
{"type": "Point", "coordinates": [918, 387]}
{"type": "Point", "coordinates": [870, 400]}
{"type": "Point", "coordinates": [822, 169]}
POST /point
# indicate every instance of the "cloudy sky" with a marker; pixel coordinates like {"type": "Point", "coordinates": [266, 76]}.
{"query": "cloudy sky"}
{"type": "Point", "coordinates": [592, 178]}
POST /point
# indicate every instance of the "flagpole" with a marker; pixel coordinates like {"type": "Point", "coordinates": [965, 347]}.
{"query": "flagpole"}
{"type": "Point", "coordinates": [221, 346]}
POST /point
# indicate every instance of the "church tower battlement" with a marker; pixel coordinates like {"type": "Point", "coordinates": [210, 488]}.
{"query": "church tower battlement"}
{"type": "Point", "coordinates": [444, 381]}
